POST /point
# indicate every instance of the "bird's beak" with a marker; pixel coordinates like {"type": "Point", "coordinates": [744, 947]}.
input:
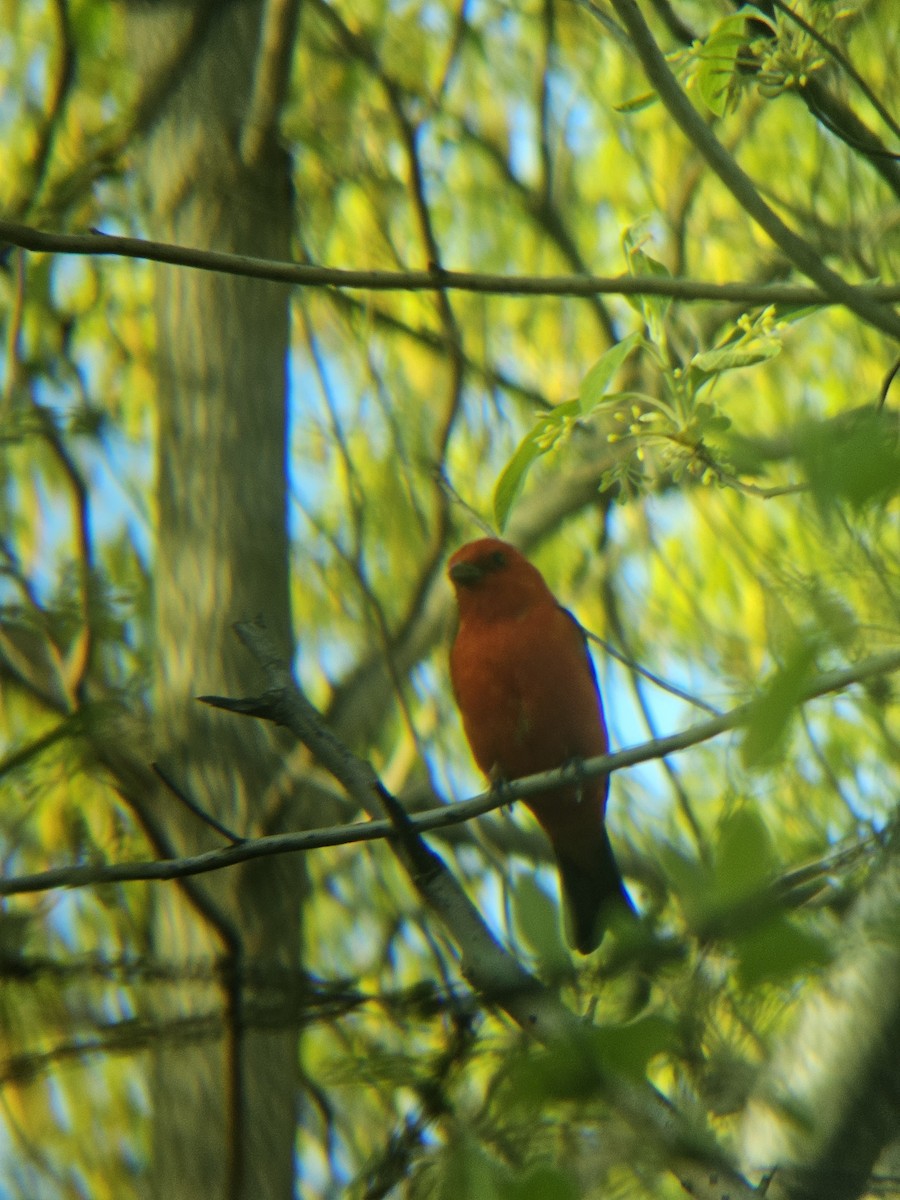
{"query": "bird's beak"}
{"type": "Point", "coordinates": [465, 574]}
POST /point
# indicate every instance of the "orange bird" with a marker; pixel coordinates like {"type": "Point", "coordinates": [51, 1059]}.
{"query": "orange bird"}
{"type": "Point", "coordinates": [526, 689]}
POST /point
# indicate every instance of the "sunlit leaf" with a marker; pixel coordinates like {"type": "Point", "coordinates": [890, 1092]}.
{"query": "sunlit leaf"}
{"type": "Point", "coordinates": [549, 428]}
{"type": "Point", "coordinates": [596, 382]}
{"type": "Point", "coordinates": [731, 358]}
{"type": "Point", "coordinates": [717, 55]}
{"type": "Point", "coordinates": [512, 478]}
{"type": "Point", "coordinates": [640, 263]}
{"type": "Point", "coordinates": [637, 104]}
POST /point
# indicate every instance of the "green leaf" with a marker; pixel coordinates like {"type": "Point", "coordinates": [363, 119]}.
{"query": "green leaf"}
{"type": "Point", "coordinates": [777, 951]}
{"type": "Point", "coordinates": [760, 15]}
{"type": "Point", "coordinates": [773, 710]}
{"type": "Point", "coordinates": [691, 881]}
{"type": "Point", "coordinates": [469, 1171]}
{"type": "Point", "coordinates": [594, 386]}
{"type": "Point", "coordinates": [855, 459]}
{"type": "Point", "coordinates": [732, 358]}
{"type": "Point", "coordinates": [543, 1182]}
{"type": "Point", "coordinates": [566, 1071]}
{"type": "Point", "coordinates": [627, 1049]}
{"type": "Point", "coordinates": [537, 917]}
{"type": "Point", "coordinates": [547, 431]}
{"type": "Point", "coordinates": [790, 314]}
{"type": "Point", "coordinates": [652, 308]}
{"type": "Point", "coordinates": [512, 478]}
{"type": "Point", "coordinates": [637, 103]}
{"type": "Point", "coordinates": [717, 57]}
{"type": "Point", "coordinates": [744, 858]}
{"type": "Point", "coordinates": [708, 419]}
{"type": "Point", "coordinates": [574, 1068]}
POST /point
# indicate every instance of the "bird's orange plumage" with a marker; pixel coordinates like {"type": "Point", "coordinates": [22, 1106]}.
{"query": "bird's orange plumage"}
{"type": "Point", "coordinates": [529, 701]}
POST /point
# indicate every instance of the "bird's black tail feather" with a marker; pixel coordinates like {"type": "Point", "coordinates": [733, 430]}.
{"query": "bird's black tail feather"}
{"type": "Point", "coordinates": [592, 895]}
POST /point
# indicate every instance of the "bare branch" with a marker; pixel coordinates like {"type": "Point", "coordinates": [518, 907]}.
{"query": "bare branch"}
{"type": "Point", "coordinates": [310, 275]}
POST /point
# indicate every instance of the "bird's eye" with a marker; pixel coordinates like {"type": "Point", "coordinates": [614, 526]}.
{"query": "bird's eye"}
{"type": "Point", "coordinates": [496, 560]}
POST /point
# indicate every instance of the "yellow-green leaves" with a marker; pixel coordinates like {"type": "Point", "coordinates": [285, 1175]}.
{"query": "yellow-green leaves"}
{"type": "Point", "coordinates": [715, 57]}
{"type": "Point", "coordinates": [546, 433]}
{"type": "Point", "coordinates": [595, 386]}
{"type": "Point", "coordinates": [551, 426]}
{"type": "Point", "coordinates": [750, 341]}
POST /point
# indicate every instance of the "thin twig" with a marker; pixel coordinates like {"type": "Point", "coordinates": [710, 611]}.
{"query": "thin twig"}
{"type": "Point", "coordinates": [657, 680]}
{"type": "Point", "coordinates": [194, 807]}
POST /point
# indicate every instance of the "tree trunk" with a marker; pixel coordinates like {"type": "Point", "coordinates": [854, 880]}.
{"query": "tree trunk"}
{"type": "Point", "coordinates": [224, 1095]}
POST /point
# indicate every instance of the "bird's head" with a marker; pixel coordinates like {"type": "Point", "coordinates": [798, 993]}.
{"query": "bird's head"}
{"type": "Point", "coordinates": [492, 579]}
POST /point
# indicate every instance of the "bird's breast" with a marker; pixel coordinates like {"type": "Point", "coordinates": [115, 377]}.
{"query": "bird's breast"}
{"type": "Point", "coordinates": [526, 693]}
{"type": "Point", "coordinates": [490, 698]}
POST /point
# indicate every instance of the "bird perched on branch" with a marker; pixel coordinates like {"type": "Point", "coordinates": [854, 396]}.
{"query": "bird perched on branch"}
{"type": "Point", "coordinates": [527, 692]}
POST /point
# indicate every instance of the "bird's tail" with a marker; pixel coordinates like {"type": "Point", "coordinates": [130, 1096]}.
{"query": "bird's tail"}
{"type": "Point", "coordinates": [592, 892]}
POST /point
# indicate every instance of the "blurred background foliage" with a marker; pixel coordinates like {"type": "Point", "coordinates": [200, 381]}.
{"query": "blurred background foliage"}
{"type": "Point", "coordinates": [710, 485]}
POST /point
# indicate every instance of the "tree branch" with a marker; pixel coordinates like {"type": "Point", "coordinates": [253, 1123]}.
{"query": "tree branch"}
{"type": "Point", "coordinates": [365, 783]}
{"type": "Point", "coordinates": [310, 275]}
